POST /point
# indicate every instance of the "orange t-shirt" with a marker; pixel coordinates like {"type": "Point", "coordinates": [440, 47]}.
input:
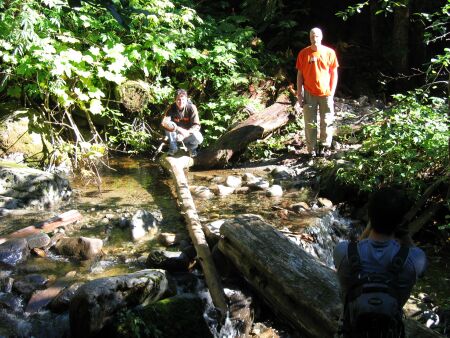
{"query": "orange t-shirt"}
{"type": "Point", "coordinates": [316, 68]}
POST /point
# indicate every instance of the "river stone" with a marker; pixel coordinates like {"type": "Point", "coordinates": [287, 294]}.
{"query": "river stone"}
{"type": "Point", "coordinates": [282, 173]}
{"type": "Point", "coordinates": [16, 326]}
{"type": "Point", "coordinates": [24, 288]}
{"type": "Point", "coordinates": [258, 184]}
{"type": "Point", "coordinates": [202, 192]}
{"type": "Point", "coordinates": [222, 190]}
{"type": "Point", "coordinates": [170, 239]}
{"type": "Point", "coordinates": [10, 302]}
{"type": "Point", "coordinates": [9, 202]}
{"type": "Point", "coordinates": [144, 223]}
{"type": "Point", "coordinates": [242, 190]}
{"type": "Point", "coordinates": [324, 202]}
{"type": "Point", "coordinates": [80, 247]}
{"type": "Point", "coordinates": [95, 303]}
{"type": "Point", "coordinates": [39, 252]}
{"type": "Point", "coordinates": [39, 240]}
{"type": "Point", "coordinates": [62, 301]}
{"type": "Point", "coordinates": [172, 261]}
{"type": "Point", "coordinates": [6, 284]}
{"type": "Point", "coordinates": [212, 230]}
{"type": "Point", "coordinates": [274, 191]}
{"type": "Point", "coordinates": [14, 251]}
{"type": "Point", "coordinates": [299, 207]}
{"type": "Point", "coordinates": [217, 180]}
{"type": "Point", "coordinates": [233, 181]}
{"type": "Point", "coordinates": [248, 177]}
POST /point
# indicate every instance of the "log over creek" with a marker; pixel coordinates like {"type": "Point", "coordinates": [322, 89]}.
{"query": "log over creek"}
{"type": "Point", "coordinates": [265, 258]}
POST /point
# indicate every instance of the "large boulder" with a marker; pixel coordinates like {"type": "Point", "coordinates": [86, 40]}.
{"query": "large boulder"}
{"type": "Point", "coordinates": [96, 302]}
{"type": "Point", "coordinates": [16, 139]}
{"type": "Point", "coordinates": [14, 251]}
{"type": "Point", "coordinates": [32, 187]}
{"type": "Point", "coordinates": [144, 224]}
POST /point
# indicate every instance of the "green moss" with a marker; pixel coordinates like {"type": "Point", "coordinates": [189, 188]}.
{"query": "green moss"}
{"type": "Point", "coordinates": [179, 316]}
{"type": "Point", "coordinates": [10, 164]}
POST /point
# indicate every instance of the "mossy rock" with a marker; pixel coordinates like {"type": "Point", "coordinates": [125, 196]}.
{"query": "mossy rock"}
{"type": "Point", "coordinates": [179, 316]}
{"type": "Point", "coordinates": [134, 95]}
{"type": "Point", "coordinates": [16, 138]}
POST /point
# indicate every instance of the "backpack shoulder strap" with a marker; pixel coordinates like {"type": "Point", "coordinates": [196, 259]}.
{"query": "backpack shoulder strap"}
{"type": "Point", "coordinates": [398, 261]}
{"type": "Point", "coordinates": [353, 258]}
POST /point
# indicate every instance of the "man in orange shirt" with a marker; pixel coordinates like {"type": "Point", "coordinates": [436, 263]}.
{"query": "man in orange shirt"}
{"type": "Point", "coordinates": [316, 84]}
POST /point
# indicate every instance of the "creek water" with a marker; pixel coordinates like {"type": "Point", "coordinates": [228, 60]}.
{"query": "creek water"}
{"type": "Point", "coordinates": [133, 184]}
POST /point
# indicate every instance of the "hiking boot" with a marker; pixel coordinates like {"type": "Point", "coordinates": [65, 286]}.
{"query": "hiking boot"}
{"type": "Point", "coordinates": [193, 153]}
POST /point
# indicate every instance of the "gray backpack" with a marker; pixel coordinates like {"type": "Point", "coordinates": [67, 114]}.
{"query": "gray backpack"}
{"type": "Point", "coordinates": [372, 307]}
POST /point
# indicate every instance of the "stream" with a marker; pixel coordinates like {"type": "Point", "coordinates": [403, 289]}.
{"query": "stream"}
{"type": "Point", "coordinates": [137, 184]}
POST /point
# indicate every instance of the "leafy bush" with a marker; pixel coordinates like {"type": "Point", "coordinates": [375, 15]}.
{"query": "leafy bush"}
{"type": "Point", "coordinates": [67, 63]}
{"type": "Point", "coordinates": [405, 145]}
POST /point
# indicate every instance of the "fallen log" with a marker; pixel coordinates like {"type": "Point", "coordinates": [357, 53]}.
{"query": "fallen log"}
{"type": "Point", "coordinates": [49, 225]}
{"type": "Point", "coordinates": [294, 284]}
{"type": "Point", "coordinates": [176, 168]}
{"type": "Point", "coordinates": [237, 139]}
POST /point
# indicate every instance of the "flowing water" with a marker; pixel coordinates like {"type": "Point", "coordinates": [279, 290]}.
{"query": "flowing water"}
{"type": "Point", "coordinates": [131, 185]}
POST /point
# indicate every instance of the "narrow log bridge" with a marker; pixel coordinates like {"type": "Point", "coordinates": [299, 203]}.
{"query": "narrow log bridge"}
{"type": "Point", "coordinates": [294, 284]}
{"type": "Point", "coordinates": [237, 139]}
{"type": "Point", "coordinates": [176, 167]}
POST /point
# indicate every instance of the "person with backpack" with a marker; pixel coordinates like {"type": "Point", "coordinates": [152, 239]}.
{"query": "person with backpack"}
{"type": "Point", "coordinates": [377, 274]}
{"type": "Point", "coordinates": [182, 124]}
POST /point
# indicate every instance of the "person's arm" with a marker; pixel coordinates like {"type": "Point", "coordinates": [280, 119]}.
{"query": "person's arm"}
{"type": "Point", "coordinates": [333, 81]}
{"type": "Point", "coordinates": [300, 87]}
{"type": "Point", "coordinates": [167, 123]}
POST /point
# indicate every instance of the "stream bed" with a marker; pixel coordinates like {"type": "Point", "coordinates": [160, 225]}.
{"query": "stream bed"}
{"type": "Point", "coordinates": [132, 184]}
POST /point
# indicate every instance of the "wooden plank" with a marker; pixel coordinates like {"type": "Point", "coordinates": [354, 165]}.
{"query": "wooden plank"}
{"type": "Point", "coordinates": [49, 225]}
{"type": "Point", "coordinates": [42, 298]}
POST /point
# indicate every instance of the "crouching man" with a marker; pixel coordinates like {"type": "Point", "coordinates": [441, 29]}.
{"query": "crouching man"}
{"type": "Point", "coordinates": [377, 274]}
{"type": "Point", "coordinates": [182, 124]}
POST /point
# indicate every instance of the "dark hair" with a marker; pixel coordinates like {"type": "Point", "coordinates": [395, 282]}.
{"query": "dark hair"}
{"type": "Point", "coordinates": [181, 92]}
{"type": "Point", "coordinates": [386, 209]}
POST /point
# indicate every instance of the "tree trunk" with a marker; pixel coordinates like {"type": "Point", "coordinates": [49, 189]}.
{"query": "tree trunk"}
{"type": "Point", "coordinates": [400, 38]}
{"type": "Point", "coordinates": [176, 167]}
{"type": "Point", "coordinates": [375, 28]}
{"type": "Point", "coordinates": [293, 283]}
{"type": "Point", "coordinates": [237, 139]}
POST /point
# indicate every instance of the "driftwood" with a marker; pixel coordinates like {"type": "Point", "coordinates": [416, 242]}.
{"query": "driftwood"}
{"type": "Point", "coordinates": [237, 139]}
{"type": "Point", "coordinates": [294, 284]}
{"type": "Point", "coordinates": [176, 167]}
{"type": "Point", "coordinates": [49, 225]}
{"type": "Point", "coordinates": [42, 298]}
